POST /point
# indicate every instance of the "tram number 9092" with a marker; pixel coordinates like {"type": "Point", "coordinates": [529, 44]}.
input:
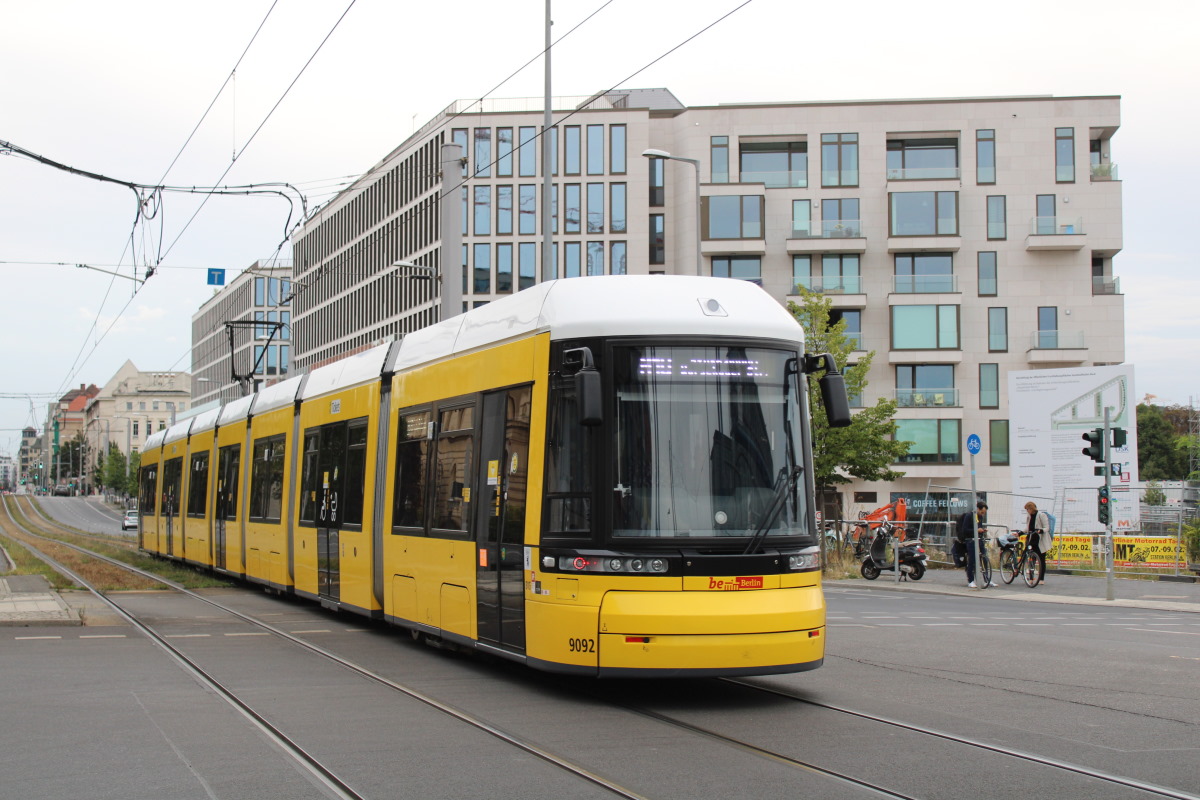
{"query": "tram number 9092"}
{"type": "Point", "coordinates": [581, 645]}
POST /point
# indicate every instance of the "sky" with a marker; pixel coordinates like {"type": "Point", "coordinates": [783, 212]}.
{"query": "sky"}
{"type": "Point", "coordinates": [324, 90]}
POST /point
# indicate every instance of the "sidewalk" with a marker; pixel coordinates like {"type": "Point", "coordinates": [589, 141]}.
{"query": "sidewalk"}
{"type": "Point", "coordinates": [1067, 589]}
{"type": "Point", "coordinates": [28, 600]}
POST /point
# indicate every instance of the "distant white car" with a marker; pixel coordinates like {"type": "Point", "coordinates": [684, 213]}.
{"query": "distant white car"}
{"type": "Point", "coordinates": [130, 522]}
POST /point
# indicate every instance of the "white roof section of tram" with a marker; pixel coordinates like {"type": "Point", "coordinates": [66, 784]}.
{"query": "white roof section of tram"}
{"type": "Point", "coordinates": [154, 440]}
{"type": "Point", "coordinates": [276, 396]}
{"type": "Point", "coordinates": [357, 369]}
{"type": "Point", "coordinates": [205, 421]}
{"type": "Point", "coordinates": [236, 410]}
{"type": "Point", "coordinates": [177, 431]}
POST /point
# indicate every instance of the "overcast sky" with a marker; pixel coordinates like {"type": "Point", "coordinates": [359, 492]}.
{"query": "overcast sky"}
{"type": "Point", "coordinates": [117, 87]}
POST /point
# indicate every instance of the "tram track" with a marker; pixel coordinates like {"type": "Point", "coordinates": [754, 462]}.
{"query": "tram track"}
{"type": "Point", "coordinates": [852, 778]}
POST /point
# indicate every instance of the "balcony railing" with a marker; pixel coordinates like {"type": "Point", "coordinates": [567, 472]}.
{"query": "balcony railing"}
{"type": "Point", "coordinates": [1105, 285]}
{"type": "Point", "coordinates": [925, 284]}
{"type": "Point", "coordinates": [846, 284]}
{"type": "Point", "coordinates": [830, 229]}
{"type": "Point", "coordinates": [793, 178]}
{"type": "Point", "coordinates": [1055, 226]}
{"type": "Point", "coordinates": [927, 398]}
{"type": "Point", "coordinates": [923, 174]}
{"type": "Point", "coordinates": [1056, 340]}
{"type": "Point", "coordinates": [1104, 172]}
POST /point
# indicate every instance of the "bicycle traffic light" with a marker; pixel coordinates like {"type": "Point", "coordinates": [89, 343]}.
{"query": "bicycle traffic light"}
{"type": "Point", "coordinates": [1095, 440]}
{"type": "Point", "coordinates": [1103, 509]}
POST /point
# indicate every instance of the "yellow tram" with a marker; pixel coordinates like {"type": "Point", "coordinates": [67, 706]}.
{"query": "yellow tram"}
{"type": "Point", "coordinates": [606, 476]}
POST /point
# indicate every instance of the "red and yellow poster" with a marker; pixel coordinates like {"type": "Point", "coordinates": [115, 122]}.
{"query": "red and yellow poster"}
{"type": "Point", "coordinates": [1147, 551]}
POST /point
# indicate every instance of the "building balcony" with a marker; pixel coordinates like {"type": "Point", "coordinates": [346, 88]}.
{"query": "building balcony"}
{"type": "Point", "coordinates": [1105, 285]}
{"type": "Point", "coordinates": [924, 244]}
{"type": "Point", "coordinates": [927, 398]}
{"type": "Point", "coordinates": [924, 174]}
{"type": "Point", "coordinates": [828, 236]}
{"type": "Point", "coordinates": [1104, 172]}
{"type": "Point", "coordinates": [925, 284]}
{"type": "Point", "coordinates": [793, 179]}
{"type": "Point", "coordinates": [1055, 233]}
{"type": "Point", "coordinates": [1057, 347]}
{"type": "Point", "coordinates": [846, 284]}
{"type": "Point", "coordinates": [734, 247]}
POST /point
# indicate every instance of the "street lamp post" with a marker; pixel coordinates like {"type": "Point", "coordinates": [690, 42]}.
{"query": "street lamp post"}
{"type": "Point", "coordinates": [665, 156]}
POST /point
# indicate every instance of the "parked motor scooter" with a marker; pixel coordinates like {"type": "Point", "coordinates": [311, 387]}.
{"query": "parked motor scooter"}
{"type": "Point", "coordinates": [911, 558]}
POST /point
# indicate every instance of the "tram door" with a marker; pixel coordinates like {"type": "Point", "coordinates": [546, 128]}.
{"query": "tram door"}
{"type": "Point", "coordinates": [500, 521]}
{"type": "Point", "coordinates": [228, 461]}
{"type": "Point", "coordinates": [331, 477]}
{"type": "Point", "coordinates": [172, 482]}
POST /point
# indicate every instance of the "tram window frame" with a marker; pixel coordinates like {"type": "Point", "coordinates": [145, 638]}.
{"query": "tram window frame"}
{"type": "Point", "coordinates": [197, 499]}
{"type": "Point", "coordinates": [443, 412]}
{"type": "Point", "coordinates": [307, 516]}
{"type": "Point", "coordinates": [224, 456]}
{"type": "Point", "coordinates": [562, 420]}
{"type": "Point", "coordinates": [172, 479]}
{"type": "Point", "coordinates": [147, 502]}
{"type": "Point", "coordinates": [424, 447]}
{"type": "Point", "coordinates": [262, 478]}
{"type": "Point", "coordinates": [356, 453]}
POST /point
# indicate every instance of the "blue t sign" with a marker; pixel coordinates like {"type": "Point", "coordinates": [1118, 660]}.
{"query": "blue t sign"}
{"type": "Point", "coordinates": [974, 445]}
{"type": "Point", "coordinates": [216, 277]}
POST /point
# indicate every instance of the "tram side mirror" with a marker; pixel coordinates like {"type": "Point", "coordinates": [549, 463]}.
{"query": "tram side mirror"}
{"type": "Point", "coordinates": [833, 389]}
{"type": "Point", "coordinates": [587, 385]}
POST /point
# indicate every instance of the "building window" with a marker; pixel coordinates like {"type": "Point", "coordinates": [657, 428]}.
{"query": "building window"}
{"type": "Point", "coordinates": [998, 442]}
{"type": "Point", "coordinates": [839, 159]}
{"type": "Point", "coordinates": [135, 429]}
{"type": "Point", "coordinates": [840, 218]}
{"type": "Point", "coordinates": [616, 149]}
{"type": "Point", "coordinates": [853, 332]}
{"type": "Point", "coordinates": [658, 192]}
{"type": "Point", "coordinates": [838, 273]}
{"type": "Point", "coordinates": [595, 149]}
{"type": "Point", "coordinates": [483, 152]}
{"type": "Point", "coordinates": [924, 273]}
{"type": "Point", "coordinates": [260, 291]}
{"type": "Point", "coordinates": [931, 440]}
{"type": "Point", "coordinates": [924, 213]}
{"type": "Point", "coordinates": [747, 268]}
{"type": "Point", "coordinates": [595, 207]}
{"type": "Point", "coordinates": [483, 210]}
{"type": "Point", "coordinates": [527, 266]}
{"type": "Point", "coordinates": [658, 236]}
{"type": "Point", "coordinates": [571, 150]}
{"type": "Point", "coordinates": [987, 273]}
{"type": "Point", "coordinates": [466, 211]}
{"type": "Point", "coordinates": [504, 268]}
{"type": "Point", "coordinates": [571, 256]}
{"type": "Point", "coordinates": [1064, 155]}
{"type": "Point", "coordinates": [616, 255]}
{"type": "Point", "coordinates": [458, 136]}
{"type": "Point", "coordinates": [732, 217]}
{"type": "Point", "coordinates": [997, 330]}
{"type": "Point", "coordinates": [1047, 327]}
{"type": "Point", "coordinates": [573, 209]}
{"type": "Point", "coordinates": [527, 209]}
{"type": "Point", "coordinates": [925, 327]}
{"type": "Point", "coordinates": [925, 385]}
{"type": "Point", "coordinates": [801, 219]}
{"type": "Point", "coordinates": [483, 269]}
{"type": "Point", "coordinates": [504, 198]}
{"type": "Point", "coordinates": [527, 156]}
{"type": "Point", "coordinates": [989, 385]}
{"type": "Point", "coordinates": [718, 151]}
{"type": "Point", "coordinates": [985, 156]}
{"type": "Point", "coordinates": [921, 159]}
{"type": "Point", "coordinates": [616, 202]}
{"type": "Point", "coordinates": [595, 258]}
{"type": "Point", "coordinates": [775, 164]}
{"type": "Point", "coordinates": [1046, 221]}
{"type": "Point", "coordinates": [997, 217]}
{"type": "Point", "coordinates": [504, 148]}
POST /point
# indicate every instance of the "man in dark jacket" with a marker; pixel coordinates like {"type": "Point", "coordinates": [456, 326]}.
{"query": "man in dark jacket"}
{"type": "Point", "coordinates": [966, 537]}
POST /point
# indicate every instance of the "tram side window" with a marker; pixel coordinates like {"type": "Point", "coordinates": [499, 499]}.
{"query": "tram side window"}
{"type": "Point", "coordinates": [452, 469]}
{"type": "Point", "coordinates": [568, 469]}
{"type": "Point", "coordinates": [309, 479]}
{"type": "Point", "coordinates": [266, 479]}
{"type": "Point", "coordinates": [356, 465]}
{"type": "Point", "coordinates": [412, 470]}
{"type": "Point", "coordinates": [149, 490]}
{"type": "Point", "coordinates": [172, 480]}
{"type": "Point", "coordinates": [229, 462]}
{"type": "Point", "coordinates": [198, 485]}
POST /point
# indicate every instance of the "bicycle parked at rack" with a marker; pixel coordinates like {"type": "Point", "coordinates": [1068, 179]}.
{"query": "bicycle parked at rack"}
{"type": "Point", "coordinates": [1016, 558]}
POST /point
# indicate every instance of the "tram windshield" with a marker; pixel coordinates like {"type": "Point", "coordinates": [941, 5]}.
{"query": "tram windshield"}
{"type": "Point", "coordinates": [706, 442]}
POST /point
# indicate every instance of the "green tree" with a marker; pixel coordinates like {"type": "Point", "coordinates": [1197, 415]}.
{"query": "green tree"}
{"type": "Point", "coordinates": [865, 449]}
{"type": "Point", "coordinates": [1159, 459]}
{"type": "Point", "coordinates": [113, 475]}
{"type": "Point", "coordinates": [1154, 495]}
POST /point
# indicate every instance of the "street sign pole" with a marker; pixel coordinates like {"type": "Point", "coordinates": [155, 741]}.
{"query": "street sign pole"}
{"type": "Point", "coordinates": [974, 444]}
{"type": "Point", "coordinates": [1108, 537]}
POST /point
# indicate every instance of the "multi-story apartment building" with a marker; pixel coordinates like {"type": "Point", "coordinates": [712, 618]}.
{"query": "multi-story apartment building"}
{"type": "Point", "coordinates": [29, 457]}
{"type": "Point", "coordinates": [959, 239]}
{"type": "Point", "coordinates": [9, 479]}
{"type": "Point", "coordinates": [256, 302]}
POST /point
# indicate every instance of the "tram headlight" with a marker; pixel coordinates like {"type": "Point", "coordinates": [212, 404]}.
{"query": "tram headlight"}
{"type": "Point", "coordinates": [615, 565]}
{"type": "Point", "coordinates": [636, 564]}
{"type": "Point", "coordinates": [807, 559]}
{"type": "Point", "coordinates": [658, 565]}
{"type": "Point", "coordinates": [619, 565]}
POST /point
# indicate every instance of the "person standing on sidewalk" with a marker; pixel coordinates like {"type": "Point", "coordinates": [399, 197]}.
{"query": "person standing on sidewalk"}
{"type": "Point", "coordinates": [966, 537]}
{"type": "Point", "coordinates": [1038, 538]}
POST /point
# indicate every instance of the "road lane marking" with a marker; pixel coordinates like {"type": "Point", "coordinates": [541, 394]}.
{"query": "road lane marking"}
{"type": "Point", "coordinates": [249, 633]}
{"type": "Point", "coordinates": [188, 635]}
{"type": "Point", "coordinates": [103, 636]}
{"type": "Point", "coordinates": [1177, 633]}
{"type": "Point", "coordinates": [29, 638]}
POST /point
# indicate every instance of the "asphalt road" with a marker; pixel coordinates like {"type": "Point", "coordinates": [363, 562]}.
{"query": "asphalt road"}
{"type": "Point", "coordinates": [89, 514]}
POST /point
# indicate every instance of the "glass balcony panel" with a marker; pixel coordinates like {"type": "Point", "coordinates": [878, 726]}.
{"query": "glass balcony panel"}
{"type": "Point", "coordinates": [1055, 226]}
{"type": "Point", "coordinates": [1104, 172]}
{"type": "Point", "coordinates": [841, 229]}
{"type": "Point", "coordinates": [923, 173]}
{"type": "Point", "coordinates": [1057, 340]}
{"type": "Point", "coordinates": [927, 398]}
{"type": "Point", "coordinates": [1101, 285]}
{"type": "Point", "coordinates": [845, 284]}
{"type": "Point", "coordinates": [925, 284]}
{"type": "Point", "coordinates": [775, 180]}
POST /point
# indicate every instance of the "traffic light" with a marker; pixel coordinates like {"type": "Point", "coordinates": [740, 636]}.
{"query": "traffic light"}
{"type": "Point", "coordinates": [1095, 440]}
{"type": "Point", "coordinates": [1102, 507]}
{"type": "Point", "coordinates": [1118, 438]}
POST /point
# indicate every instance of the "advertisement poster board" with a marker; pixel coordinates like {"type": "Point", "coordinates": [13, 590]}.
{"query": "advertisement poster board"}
{"type": "Point", "coordinates": [1049, 411]}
